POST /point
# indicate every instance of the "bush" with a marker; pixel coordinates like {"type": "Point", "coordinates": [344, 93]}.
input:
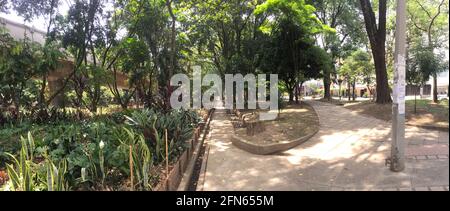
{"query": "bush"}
{"type": "Point", "coordinates": [95, 153]}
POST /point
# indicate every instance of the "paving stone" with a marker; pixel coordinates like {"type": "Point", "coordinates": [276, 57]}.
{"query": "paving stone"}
{"type": "Point", "coordinates": [432, 157]}
{"type": "Point", "coordinates": [421, 189]}
{"type": "Point", "coordinates": [428, 173]}
{"type": "Point", "coordinates": [437, 189]}
{"type": "Point", "coordinates": [443, 156]}
{"type": "Point", "coordinates": [331, 160]}
{"type": "Point", "coordinates": [421, 157]}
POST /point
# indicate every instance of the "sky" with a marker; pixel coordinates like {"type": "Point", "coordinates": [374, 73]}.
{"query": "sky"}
{"type": "Point", "coordinates": [39, 23]}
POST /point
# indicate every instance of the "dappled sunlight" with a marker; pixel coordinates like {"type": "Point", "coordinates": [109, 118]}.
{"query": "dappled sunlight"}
{"type": "Point", "coordinates": [347, 153]}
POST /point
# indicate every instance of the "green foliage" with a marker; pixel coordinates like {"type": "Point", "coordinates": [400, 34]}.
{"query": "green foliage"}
{"type": "Point", "coordinates": [26, 175]}
{"type": "Point", "coordinates": [178, 123]}
{"type": "Point", "coordinates": [358, 67]}
{"type": "Point", "coordinates": [140, 155]}
{"type": "Point", "coordinates": [94, 153]}
{"type": "Point", "coordinates": [56, 176]}
{"type": "Point", "coordinates": [422, 63]}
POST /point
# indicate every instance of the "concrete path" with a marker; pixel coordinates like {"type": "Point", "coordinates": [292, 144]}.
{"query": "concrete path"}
{"type": "Point", "coordinates": [348, 153]}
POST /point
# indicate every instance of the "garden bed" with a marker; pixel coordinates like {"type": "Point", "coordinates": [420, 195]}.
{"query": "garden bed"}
{"type": "Point", "coordinates": [177, 170]}
{"type": "Point", "coordinates": [104, 145]}
{"type": "Point", "coordinates": [295, 125]}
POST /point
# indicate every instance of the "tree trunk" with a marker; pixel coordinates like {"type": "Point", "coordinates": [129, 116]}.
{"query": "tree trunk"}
{"type": "Point", "coordinates": [327, 86]}
{"type": "Point", "coordinates": [300, 90]}
{"type": "Point", "coordinates": [354, 90]}
{"type": "Point", "coordinates": [415, 101]}
{"type": "Point", "coordinates": [348, 91]}
{"type": "Point", "coordinates": [291, 95]}
{"type": "Point", "coordinates": [377, 37]}
{"type": "Point", "coordinates": [383, 90]}
{"type": "Point", "coordinates": [435, 92]}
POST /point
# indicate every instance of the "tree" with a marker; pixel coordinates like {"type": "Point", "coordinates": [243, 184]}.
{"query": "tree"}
{"type": "Point", "coordinates": [318, 64]}
{"type": "Point", "coordinates": [422, 64]}
{"type": "Point", "coordinates": [48, 59]}
{"type": "Point", "coordinates": [17, 62]}
{"type": "Point", "coordinates": [377, 38]}
{"type": "Point", "coordinates": [343, 16]}
{"type": "Point", "coordinates": [358, 67]}
{"type": "Point", "coordinates": [429, 18]}
{"type": "Point", "coordinates": [229, 36]}
{"type": "Point", "coordinates": [292, 28]}
{"type": "Point", "coordinates": [89, 40]}
{"type": "Point", "coordinates": [49, 54]}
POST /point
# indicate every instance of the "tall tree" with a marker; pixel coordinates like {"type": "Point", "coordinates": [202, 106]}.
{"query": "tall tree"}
{"type": "Point", "coordinates": [430, 18]}
{"type": "Point", "coordinates": [377, 37]}
{"type": "Point", "coordinates": [358, 68]}
{"type": "Point", "coordinates": [293, 25]}
{"type": "Point", "coordinates": [343, 16]}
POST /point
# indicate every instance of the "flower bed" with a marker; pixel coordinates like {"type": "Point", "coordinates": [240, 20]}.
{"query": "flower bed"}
{"type": "Point", "coordinates": [177, 171]}
{"type": "Point", "coordinates": [95, 154]}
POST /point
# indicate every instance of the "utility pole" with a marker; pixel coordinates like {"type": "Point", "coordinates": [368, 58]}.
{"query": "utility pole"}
{"type": "Point", "coordinates": [397, 159]}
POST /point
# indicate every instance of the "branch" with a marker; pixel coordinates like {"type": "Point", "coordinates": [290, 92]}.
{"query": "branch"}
{"type": "Point", "coordinates": [423, 8]}
{"type": "Point", "coordinates": [414, 22]}
{"type": "Point", "coordinates": [435, 17]}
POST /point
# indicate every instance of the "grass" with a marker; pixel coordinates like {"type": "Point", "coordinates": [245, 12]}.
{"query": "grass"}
{"type": "Point", "coordinates": [295, 121]}
{"type": "Point", "coordinates": [428, 114]}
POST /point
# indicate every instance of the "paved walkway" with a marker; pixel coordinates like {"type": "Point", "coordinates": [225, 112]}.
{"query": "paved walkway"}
{"type": "Point", "coordinates": [348, 153]}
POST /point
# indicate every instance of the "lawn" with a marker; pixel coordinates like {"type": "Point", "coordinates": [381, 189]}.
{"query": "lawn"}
{"type": "Point", "coordinates": [428, 114]}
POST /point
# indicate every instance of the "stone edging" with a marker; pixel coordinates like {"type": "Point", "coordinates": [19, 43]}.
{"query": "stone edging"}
{"type": "Point", "coordinates": [272, 148]}
{"type": "Point", "coordinates": [183, 169]}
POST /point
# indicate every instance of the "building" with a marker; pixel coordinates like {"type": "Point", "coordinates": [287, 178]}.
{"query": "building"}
{"type": "Point", "coordinates": [55, 79]}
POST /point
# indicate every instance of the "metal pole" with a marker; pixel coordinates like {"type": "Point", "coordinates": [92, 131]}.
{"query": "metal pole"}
{"type": "Point", "coordinates": [397, 159]}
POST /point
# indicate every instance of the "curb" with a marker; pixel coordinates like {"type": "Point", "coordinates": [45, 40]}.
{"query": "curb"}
{"type": "Point", "coordinates": [187, 176]}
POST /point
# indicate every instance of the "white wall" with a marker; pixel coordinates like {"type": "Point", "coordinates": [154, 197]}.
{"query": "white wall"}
{"type": "Point", "coordinates": [19, 31]}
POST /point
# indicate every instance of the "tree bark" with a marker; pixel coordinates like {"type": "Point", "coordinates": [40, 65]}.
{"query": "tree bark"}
{"type": "Point", "coordinates": [354, 90]}
{"type": "Point", "coordinates": [435, 92]}
{"type": "Point", "coordinates": [377, 37]}
{"type": "Point", "coordinates": [327, 86]}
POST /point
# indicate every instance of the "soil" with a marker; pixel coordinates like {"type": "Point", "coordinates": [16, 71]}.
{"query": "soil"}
{"type": "Point", "coordinates": [3, 177]}
{"type": "Point", "coordinates": [295, 121]}
{"type": "Point", "coordinates": [428, 115]}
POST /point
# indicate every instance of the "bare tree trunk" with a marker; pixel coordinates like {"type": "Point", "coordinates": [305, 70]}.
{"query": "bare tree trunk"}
{"type": "Point", "coordinates": [354, 90]}
{"type": "Point", "coordinates": [415, 101]}
{"type": "Point", "coordinates": [377, 37]}
{"type": "Point", "coordinates": [327, 86]}
{"type": "Point", "coordinates": [435, 92]}
{"type": "Point", "coordinates": [348, 90]}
